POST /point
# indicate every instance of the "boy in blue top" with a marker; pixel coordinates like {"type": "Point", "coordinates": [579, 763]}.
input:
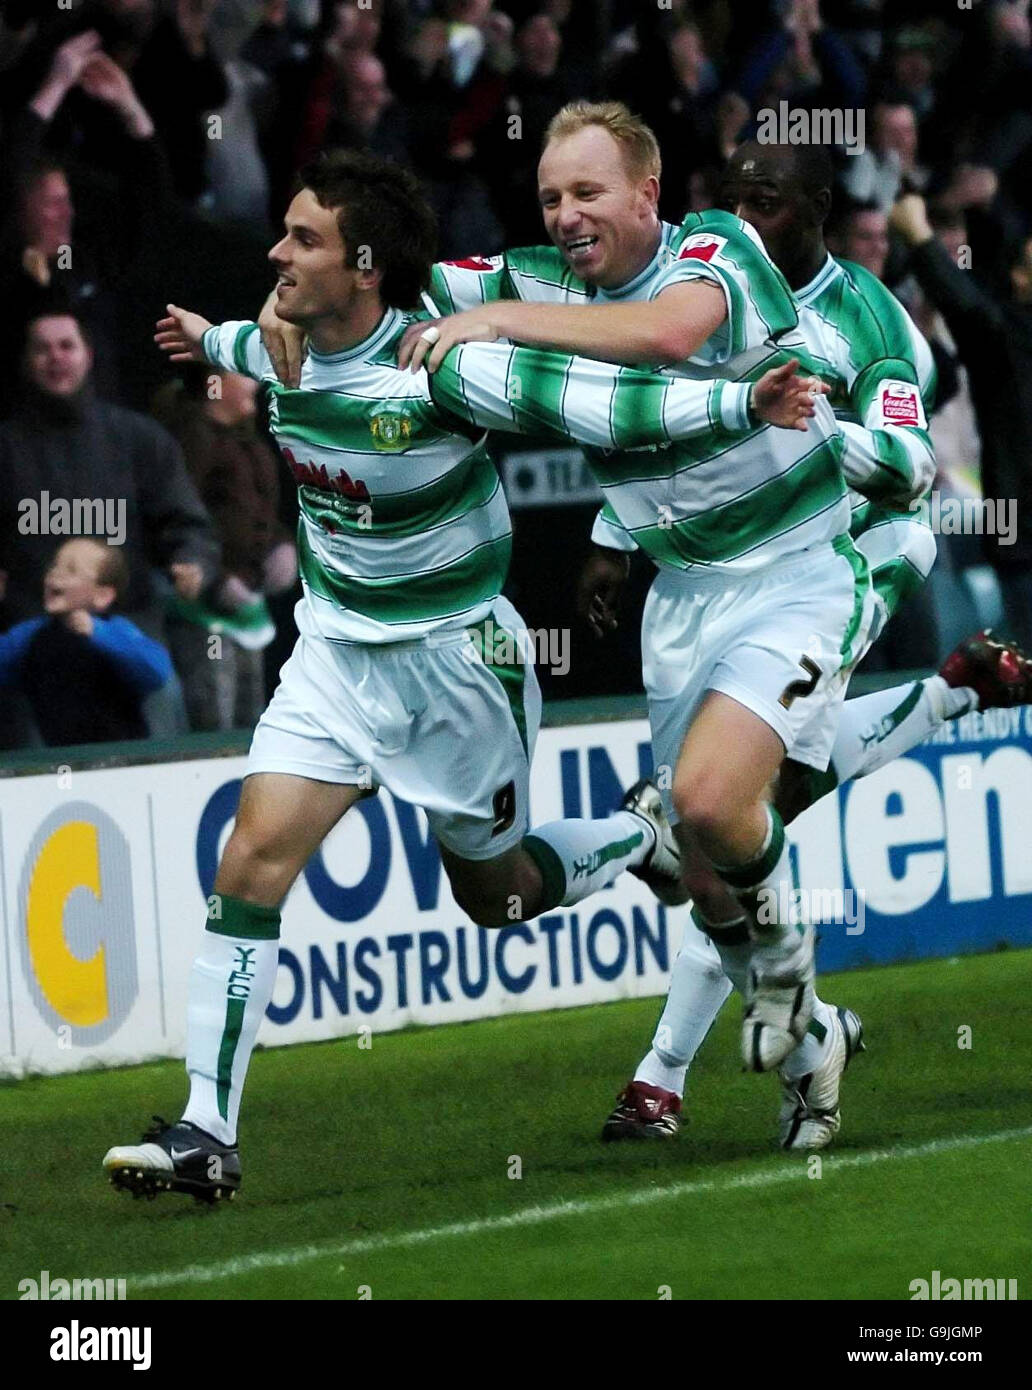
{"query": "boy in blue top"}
{"type": "Point", "coordinates": [84, 673]}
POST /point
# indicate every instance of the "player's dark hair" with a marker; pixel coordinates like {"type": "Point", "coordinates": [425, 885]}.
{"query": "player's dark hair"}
{"type": "Point", "coordinates": [380, 209]}
{"type": "Point", "coordinates": [814, 168]}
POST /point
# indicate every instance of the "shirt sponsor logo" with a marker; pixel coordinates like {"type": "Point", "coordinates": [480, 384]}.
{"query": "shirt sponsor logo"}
{"type": "Point", "coordinates": [900, 404]}
{"type": "Point", "coordinates": [317, 475]}
{"type": "Point", "coordinates": [703, 246]}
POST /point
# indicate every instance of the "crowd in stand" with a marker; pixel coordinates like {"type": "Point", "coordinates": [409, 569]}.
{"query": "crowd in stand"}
{"type": "Point", "coordinates": [147, 152]}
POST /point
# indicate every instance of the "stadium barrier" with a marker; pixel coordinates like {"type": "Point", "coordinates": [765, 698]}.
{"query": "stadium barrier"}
{"type": "Point", "coordinates": [107, 858]}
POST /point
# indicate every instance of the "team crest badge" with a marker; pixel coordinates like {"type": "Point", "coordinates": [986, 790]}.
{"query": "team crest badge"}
{"type": "Point", "coordinates": [390, 431]}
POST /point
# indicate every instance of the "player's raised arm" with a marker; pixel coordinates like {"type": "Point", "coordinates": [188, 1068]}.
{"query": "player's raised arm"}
{"type": "Point", "coordinates": [668, 329]}
{"type": "Point", "coordinates": [529, 391]}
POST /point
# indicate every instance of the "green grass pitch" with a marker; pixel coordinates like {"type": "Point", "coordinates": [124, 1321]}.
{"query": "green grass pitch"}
{"type": "Point", "coordinates": [387, 1169]}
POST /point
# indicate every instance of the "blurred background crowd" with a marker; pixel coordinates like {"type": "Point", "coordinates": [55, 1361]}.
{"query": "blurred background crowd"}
{"type": "Point", "coordinates": [148, 150]}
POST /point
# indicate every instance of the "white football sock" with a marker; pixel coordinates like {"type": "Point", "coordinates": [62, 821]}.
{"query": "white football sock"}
{"type": "Point", "coordinates": [231, 984]}
{"type": "Point", "coordinates": [698, 988]}
{"type": "Point", "coordinates": [578, 857]}
{"type": "Point", "coordinates": [808, 1056]}
{"type": "Point", "coordinates": [874, 729]}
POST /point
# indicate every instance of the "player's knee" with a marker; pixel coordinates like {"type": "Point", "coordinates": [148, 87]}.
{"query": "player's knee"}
{"type": "Point", "coordinates": [478, 898]}
{"type": "Point", "coordinates": [484, 909]}
{"type": "Point", "coordinates": [701, 805]}
{"type": "Point", "coordinates": [254, 857]}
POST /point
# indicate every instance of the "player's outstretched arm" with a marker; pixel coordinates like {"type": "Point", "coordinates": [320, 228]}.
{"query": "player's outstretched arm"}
{"type": "Point", "coordinates": [180, 335]}
{"type": "Point", "coordinates": [667, 329]}
{"type": "Point", "coordinates": [530, 391]}
{"type": "Point", "coordinates": [235, 346]}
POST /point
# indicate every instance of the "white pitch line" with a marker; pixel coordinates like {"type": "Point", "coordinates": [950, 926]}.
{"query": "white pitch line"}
{"type": "Point", "coordinates": [534, 1216]}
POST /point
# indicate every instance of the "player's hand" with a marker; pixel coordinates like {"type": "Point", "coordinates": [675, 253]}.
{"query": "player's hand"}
{"type": "Point", "coordinates": [187, 579]}
{"type": "Point", "coordinates": [180, 335]}
{"type": "Point", "coordinates": [780, 397]}
{"type": "Point", "coordinates": [285, 343]}
{"type": "Point", "coordinates": [600, 587]}
{"type": "Point", "coordinates": [80, 621]}
{"type": "Point", "coordinates": [471, 326]}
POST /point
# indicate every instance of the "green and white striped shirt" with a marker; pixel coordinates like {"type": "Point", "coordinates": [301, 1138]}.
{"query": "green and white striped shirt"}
{"type": "Point", "coordinates": [404, 527]}
{"type": "Point", "coordinates": [733, 502]}
{"type": "Point", "coordinates": [882, 376]}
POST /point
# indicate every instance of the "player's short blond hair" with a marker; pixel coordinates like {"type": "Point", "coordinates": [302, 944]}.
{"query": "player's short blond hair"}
{"type": "Point", "coordinates": [636, 140]}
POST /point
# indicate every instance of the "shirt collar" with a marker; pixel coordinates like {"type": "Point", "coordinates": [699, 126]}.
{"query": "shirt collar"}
{"type": "Point", "coordinates": [380, 335]}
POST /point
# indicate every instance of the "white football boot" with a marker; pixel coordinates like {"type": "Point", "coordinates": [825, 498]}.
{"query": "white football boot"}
{"type": "Point", "coordinates": [809, 1117]}
{"type": "Point", "coordinates": [780, 1002]}
{"type": "Point", "coordinates": [662, 869]}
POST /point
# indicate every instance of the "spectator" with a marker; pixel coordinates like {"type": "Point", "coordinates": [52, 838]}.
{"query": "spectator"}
{"type": "Point", "coordinates": [238, 184]}
{"type": "Point", "coordinates": [803, 62]}
{"type": "Point", "coordinates": [911, 69]}
{"type": "Point", "coordinates": [84, 672]}
{"type": "Point", "coordinates": [180, 81]}
{"type": "Point", "coordinates": [63, 443]}
{"type": "Point", "coordinates": [994, 339]}
{"type": "Point", "coordinates": [537, 87]}
{"type": "Point", "coordinates": [466, 42]}
{"type": "Point", "coordinates": [212, 414]}
{"type": "Point", "coordinates": [860, 232]}
{"type": "Point", "coordinates": [59, 239]}
{"type": "Point", "coordinates": [367, 116]}
{"type": "Point", "coordinates": [349, 102]}
{"type": "Point", "coordinates": [880, 171]}
{"type": "Point", "coordinates": [679, 97]}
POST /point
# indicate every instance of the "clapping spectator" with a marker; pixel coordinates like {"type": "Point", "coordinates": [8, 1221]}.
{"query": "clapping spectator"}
{"type": "Point", "coordinates": [85, 672]}
{"type": "Point", "coordinates": [59, 239]}
{"type": "Point", "coordinates": [804, 62]}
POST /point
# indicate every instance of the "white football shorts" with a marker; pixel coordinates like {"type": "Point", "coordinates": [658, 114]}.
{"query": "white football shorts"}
{"type": "Point", "coordinates": [782, 642]}
{"type": "Point", "coordinates": [447, 722]}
